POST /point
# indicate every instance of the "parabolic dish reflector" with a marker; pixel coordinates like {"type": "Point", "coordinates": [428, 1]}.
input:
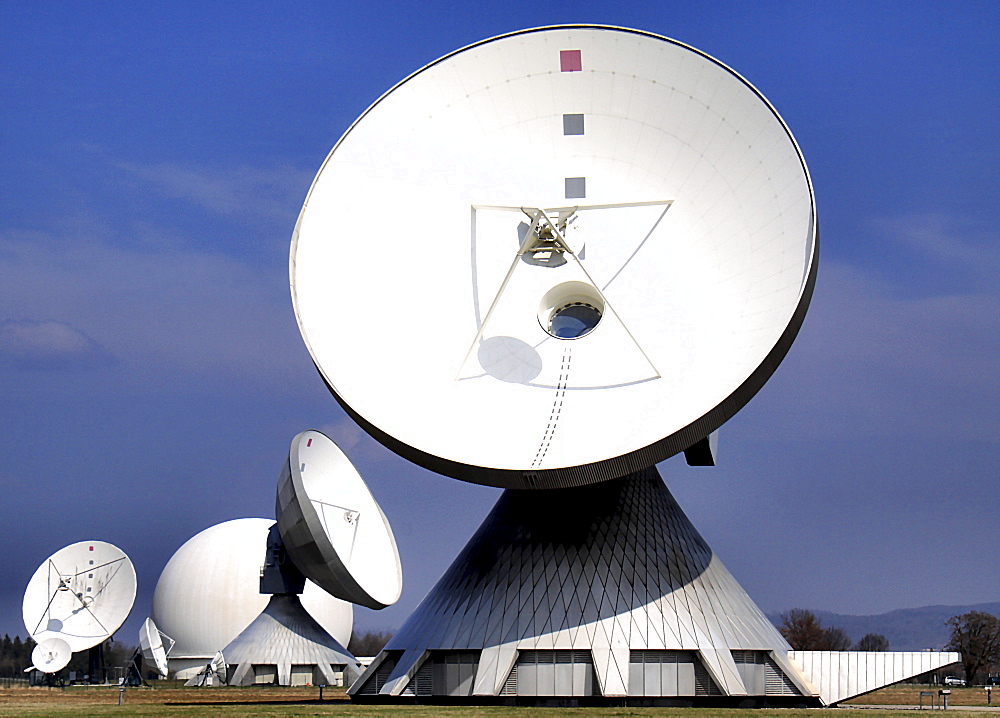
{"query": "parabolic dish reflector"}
{"type": "Point", "coordinates": [81, 594]}
{"type": "Point", "coordinates": [151, 645]}
{"type": "Point", "coordinates": [218, 666]}
{"type": "Point", "coordinates": [556, 256]}
{"type": "Point", "coordinates": [51, 655]}
{"type": "Point", "coordinates": [332, 527]}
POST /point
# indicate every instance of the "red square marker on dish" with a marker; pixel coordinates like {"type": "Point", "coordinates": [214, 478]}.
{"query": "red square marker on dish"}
{"type": "Point", "coordinates": [570, 61]}
{"type": "Point", "coordinates": [91, 548]}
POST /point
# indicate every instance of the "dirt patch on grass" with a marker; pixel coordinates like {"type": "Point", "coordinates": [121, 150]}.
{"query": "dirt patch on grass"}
{"type": "Point", "coordinates": [908, 694]}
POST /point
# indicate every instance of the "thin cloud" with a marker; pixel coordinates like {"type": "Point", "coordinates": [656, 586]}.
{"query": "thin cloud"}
{"type": "Point", "coordinates": [180, 313]}
{"type": "Point", "coordinates": [48, 345]}
{"type": "Point", "coordinates": [245, 193]}
{"type": "Point", "coordinates": [942, 239]}
{"type": "Point", "coordinates": [868, 363]}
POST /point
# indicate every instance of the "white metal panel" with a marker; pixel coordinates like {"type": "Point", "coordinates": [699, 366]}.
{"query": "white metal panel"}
{"type": "Point", "coordinates": [840, 675]}
{"type": "Point", "coordinates": [527, 679]}
{"type": "Point", "coordinates": [301, 675]}
{"type": "Point", "coordinates": [265, 674]}
{"type": "Point", "coordinates": [855, 667]}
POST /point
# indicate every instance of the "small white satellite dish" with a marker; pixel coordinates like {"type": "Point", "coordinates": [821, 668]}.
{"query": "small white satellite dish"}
{"type": "Point", "coordinates": [218, 667]}
{"type": "Point", "coordinates": [152, 646]}
{"type": "Point", "coordinates": [81, 594]}
{"type": "Point", "coordinates": [332, 527]}
{"type": "Point", "coordinates": [214, 673]}
{"type": "Point", "coordinates": [51, 655]}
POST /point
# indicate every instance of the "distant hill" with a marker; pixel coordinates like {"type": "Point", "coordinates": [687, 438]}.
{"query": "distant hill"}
{"type": "Point", "coordinates": [908, 629]}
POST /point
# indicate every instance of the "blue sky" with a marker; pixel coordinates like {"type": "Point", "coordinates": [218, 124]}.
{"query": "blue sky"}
{"type": "Point", "coordinates": [155, 157]}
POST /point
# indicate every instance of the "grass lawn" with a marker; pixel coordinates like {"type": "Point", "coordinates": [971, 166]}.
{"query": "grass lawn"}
{"type": "Point", "coordinates": [168, 699]}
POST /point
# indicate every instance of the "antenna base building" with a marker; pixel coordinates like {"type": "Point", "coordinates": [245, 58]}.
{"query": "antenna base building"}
{"type": "Point", "coordinates": [601, 593]}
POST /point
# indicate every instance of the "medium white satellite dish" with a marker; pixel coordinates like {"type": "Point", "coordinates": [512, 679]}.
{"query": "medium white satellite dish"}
{"type": "Point", "coordinates": [556, 257]}
{"type": "Point", "coordinates": [81, 594]}
{"type": "Point", "coordinates": [152, 646]}
{"type": "Point", "coordinates": [51, 655]}
{"type": "Point", "coordinates": [332, 527]}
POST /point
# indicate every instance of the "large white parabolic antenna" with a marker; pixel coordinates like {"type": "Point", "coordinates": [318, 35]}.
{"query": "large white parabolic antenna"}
{"type": "Point", "coordinates": [81, 594]}
{"type": "Point", "coordinates": [556, 257]}
{"type": "Point", "coordinates": [332, 527]}
{"type": "Point", "coordinates": [51, 655]}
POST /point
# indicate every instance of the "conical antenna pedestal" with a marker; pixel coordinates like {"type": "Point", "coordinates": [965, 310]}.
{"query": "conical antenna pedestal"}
{"type": "Point", "coordinates": [285, 637]}
{"type": "Point", "coordinates": [605, 587]}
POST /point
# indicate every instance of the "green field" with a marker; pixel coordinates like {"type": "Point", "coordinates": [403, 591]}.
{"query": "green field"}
{"type": "Point", "coordinates": [172, 700]}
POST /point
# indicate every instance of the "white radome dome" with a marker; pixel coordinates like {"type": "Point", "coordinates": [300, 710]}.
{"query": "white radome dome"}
{"type": "Point", "coordinates": [209, 591]}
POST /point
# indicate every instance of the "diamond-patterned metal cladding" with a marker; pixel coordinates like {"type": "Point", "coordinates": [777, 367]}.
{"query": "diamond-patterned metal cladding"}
{"type": "Point", "coordinates": [609, 567]}
{"type": "Point", "coordinates": [284, 634]}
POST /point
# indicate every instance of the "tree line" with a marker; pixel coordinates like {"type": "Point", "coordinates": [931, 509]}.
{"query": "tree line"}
{"type": "Point", "coordinates": [15, 656]}
{"type": "Point", "coordinates": [804, 632]}
{"type": "Point", "coordinates": [368, 643]}
{"type": "Point", "coordinates": [976, 635]}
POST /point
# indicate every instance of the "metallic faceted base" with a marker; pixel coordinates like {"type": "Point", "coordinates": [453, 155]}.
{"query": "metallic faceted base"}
{"type": "Point", "coordinates": [609, 576]}
{"type": "Point", "coordinates": [596, 593]}
{"type": "Point", "coordinates": [283, 640]}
